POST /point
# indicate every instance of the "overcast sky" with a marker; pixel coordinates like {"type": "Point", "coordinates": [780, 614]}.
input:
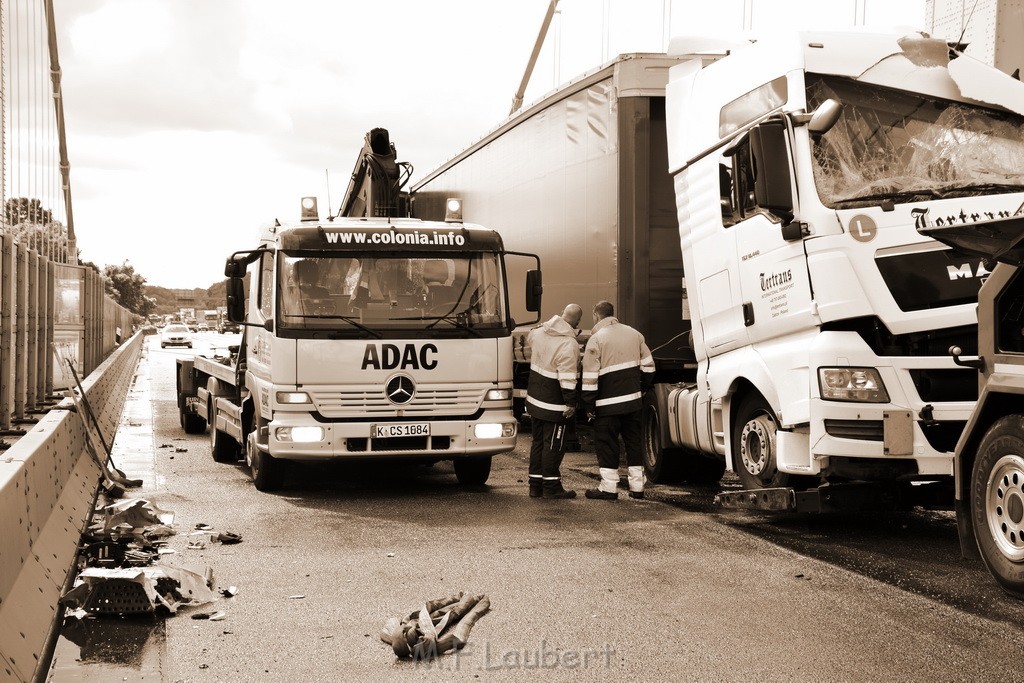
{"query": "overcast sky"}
{"type": "Point", "coordinates": [190, 123]}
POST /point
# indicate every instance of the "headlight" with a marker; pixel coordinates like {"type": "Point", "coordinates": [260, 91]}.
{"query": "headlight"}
{"type": "Point", "coordinates": [498, 395]}
{"type": "Point", "coordinates": [300, 434]}
{"type": "Point", "coordinates": [852, 384]}
{"type": "Point", "coordinates": [494, 431]}
{"type": "Point", "coordinates": [293, 397]}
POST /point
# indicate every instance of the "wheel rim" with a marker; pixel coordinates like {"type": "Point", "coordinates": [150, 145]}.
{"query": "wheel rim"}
{"type": "Point", "coordinates": [1004, 506]}
{"type": "Point", "coordinates": [248, 452]}
{"type": "Point", "coordinates": [757, 446]}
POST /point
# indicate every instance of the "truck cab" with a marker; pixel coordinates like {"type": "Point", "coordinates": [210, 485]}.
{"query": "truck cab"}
{"type": "Point", "coordinates": [821, 318]}
{"type": "Point", "coordinates": [369, 338]}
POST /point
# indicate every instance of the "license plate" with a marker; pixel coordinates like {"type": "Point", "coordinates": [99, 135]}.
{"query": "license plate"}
{"type": "Point", "coordinates": [393, 430]}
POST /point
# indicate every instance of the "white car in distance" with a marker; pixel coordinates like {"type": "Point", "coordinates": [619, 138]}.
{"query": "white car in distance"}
{"type": "Point", "coordinates": [175, 335]}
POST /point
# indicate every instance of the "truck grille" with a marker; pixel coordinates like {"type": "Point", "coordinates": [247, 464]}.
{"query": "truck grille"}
{"type": "Point", "coordinates": [369, 401]}
{"type": "Point", "coordinates": [940, 386]}
{"type": "Point", "coordinates": [864, 430]}
{"type": "Point", "coordinates": [402, 443]}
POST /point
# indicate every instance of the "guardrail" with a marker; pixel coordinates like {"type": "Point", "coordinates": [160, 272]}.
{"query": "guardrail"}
{"type": "Point", "coordinates": [48, 487]}
{"type": "Point", "coordinates": [41, 303]}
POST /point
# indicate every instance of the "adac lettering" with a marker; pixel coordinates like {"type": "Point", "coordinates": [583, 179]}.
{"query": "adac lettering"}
{"type": "Point", "coordinates": [391, 357]}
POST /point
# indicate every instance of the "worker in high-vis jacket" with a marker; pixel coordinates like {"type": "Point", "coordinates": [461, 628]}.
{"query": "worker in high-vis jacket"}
{"type": "Point", "coordinates": [551, 397]}
{"type": "Point", "coordinates": [617, 369]}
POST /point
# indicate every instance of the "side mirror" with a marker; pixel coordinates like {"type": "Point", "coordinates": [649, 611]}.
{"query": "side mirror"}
{"type": "Point", "coordinates": [534, 289]}
{"type": "Point", "coordinates": [773, 182]}
{"type": "Point", "coordinates": [234, 267]}
{"type": "Point", "coordinates": [236, 299]}
{"type": "Point", "coordinates": [824, 117]}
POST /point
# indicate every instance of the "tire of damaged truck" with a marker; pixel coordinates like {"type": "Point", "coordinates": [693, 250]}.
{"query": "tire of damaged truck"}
{"type": "Point", "coordinates": [753, 445]}
{"type": "Point", "coordinates": [661, 465]}
{"type": "Point", "coordinates": [997, 502]}
{"type": "Point", "coordinates": [267, 472]}
{"type": "Point", "coordinates": [472, 471]}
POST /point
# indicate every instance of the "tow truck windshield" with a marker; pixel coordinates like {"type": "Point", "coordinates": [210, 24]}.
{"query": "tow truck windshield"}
{"type": "Point", "coordinates": [359, 294]}
{"type": "Point", "coordinates": [897, 145]}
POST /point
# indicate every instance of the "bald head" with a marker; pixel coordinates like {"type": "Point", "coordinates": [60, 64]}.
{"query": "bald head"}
{"type": "Point", "coordinates": [572, 315]}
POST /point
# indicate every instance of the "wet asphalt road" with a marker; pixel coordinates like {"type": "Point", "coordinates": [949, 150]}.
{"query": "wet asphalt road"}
{"type": "Point", "coordinates": [663, 589]}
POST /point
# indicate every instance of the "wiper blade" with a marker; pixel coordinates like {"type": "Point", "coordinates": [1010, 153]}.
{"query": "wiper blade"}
{"type": "Point", "coordinates": [981, 188]}
{"type": "Point", "coordinates": [455, 320]}
{"type": "Point", "coordinates": [882, 196]}
{"type": "Point", "coordinates": [350, 321]}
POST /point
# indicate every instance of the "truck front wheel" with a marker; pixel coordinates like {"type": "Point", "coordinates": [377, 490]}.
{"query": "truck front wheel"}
{"type": "Point", "coordinates": [997, 502]}
{"type": "Point", "coordinates": [753, 445]}
{"type": "Point", "coordinates": [472, 471]}
{"type": "Point", "coordinates": [267, 471]}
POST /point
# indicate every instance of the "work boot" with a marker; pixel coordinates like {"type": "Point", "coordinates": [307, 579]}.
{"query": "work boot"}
{"type": "Point", "coordinates": [598, 494]}
{"type": "Point", "coordinates": [536, 489]}
{"type": "Point", "coordinates": [555, 490]}
{"type": "Point", "coordinates": [639, 495]}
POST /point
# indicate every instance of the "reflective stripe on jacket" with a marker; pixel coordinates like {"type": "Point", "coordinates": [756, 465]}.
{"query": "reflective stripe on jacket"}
{"type": "Point", "coordinates": [554, 360]}
{"type": "Point", "coordinates": [617, 368]}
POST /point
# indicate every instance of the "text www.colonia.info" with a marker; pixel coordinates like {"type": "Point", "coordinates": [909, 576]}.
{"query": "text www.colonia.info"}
{"type": "Point", "coordinates": [392, 237]}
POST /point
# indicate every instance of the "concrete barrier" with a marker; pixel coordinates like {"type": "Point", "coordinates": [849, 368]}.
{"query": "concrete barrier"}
{"type": "Point", "coordinates": [48, 486]}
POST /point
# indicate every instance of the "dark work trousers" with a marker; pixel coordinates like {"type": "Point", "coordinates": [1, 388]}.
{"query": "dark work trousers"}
{"type": "Point", "coordinates": [545, 463]}
{"type": "Point", "coordinates": [607, 429]}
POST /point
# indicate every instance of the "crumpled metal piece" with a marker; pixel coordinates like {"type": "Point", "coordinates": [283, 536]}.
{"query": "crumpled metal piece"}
{"type": "Point", "coordinates": [131, 518]}
{"type": "Point", "coordinates": [141, 590]}
{"type": "Point", "coordinates": [436, 627]}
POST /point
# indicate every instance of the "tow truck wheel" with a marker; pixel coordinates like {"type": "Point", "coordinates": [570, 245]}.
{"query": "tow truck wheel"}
{"type": "Point", "coordinates": [472, 471]}
{"type": "Point", "coordinates": [661, 465]}
{"type": "Point", "coordinates": [223, 447]}
{"type": "Point", "coordinates": [267, 471]}
{"type": "Point", "coordinates": [753, 445]}
{"type": "Point", "coordinates": [190, 422]}
{"type": "Point", "coordinates": [997, 502]}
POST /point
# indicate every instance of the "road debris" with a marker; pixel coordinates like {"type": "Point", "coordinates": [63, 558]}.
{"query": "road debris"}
{"type": "Point", "coordinates": [435, 628]}
{"type": "Point", "coordinates": [142, 590]}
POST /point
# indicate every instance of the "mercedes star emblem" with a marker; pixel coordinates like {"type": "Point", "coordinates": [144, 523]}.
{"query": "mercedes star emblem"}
{"type": "Point", "coordinates": [399, 389]}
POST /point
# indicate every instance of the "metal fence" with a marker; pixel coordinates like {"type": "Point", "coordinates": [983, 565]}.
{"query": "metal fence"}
{"type": "Point", "coordinates": [42, 305]}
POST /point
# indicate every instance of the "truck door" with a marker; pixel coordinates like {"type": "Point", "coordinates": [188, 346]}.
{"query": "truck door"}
{"type": "Point", "coordinates": [775, 286]}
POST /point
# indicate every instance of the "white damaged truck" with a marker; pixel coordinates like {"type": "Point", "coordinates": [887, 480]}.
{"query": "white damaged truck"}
{"type": "Point", "coordinates": [821, 317]}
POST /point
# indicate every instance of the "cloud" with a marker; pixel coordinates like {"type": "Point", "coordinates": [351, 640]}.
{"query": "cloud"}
{"type": "Point", "coordinates": [191, 123]}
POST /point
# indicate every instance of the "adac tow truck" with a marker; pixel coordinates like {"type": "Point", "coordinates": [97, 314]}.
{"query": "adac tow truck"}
{"type": "Point", "coordinates": [364, 336]}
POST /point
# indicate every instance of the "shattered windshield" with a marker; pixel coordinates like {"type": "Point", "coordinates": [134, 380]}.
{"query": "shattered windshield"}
{"type": "Point", "coordinates": [891, 144]}
{"type": "Point", "coordinates": [371, 293]}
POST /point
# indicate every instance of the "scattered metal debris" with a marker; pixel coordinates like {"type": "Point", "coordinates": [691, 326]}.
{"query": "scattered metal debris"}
{"type": "Point", "coordinates": [435, 628]}
{"type": "Point", "coordinates": [142, 590]}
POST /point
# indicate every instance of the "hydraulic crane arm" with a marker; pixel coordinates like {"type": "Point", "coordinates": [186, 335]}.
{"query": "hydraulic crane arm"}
{"type": "Point", "coordinates": [375, 188]}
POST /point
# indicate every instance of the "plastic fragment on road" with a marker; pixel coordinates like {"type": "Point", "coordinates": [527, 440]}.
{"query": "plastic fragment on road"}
{"type": "Point", "coordinates": [296, 597]}
{"type": "Point", "coordinates": [437, 627]}
{"type": "Point", "coordinates": [229, 537]}
{"type": "Point", "coordinates": [142, 590]}
{"type": "Point", "coordinates": [132, 516]}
